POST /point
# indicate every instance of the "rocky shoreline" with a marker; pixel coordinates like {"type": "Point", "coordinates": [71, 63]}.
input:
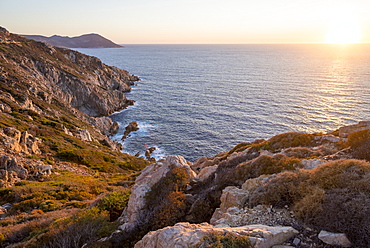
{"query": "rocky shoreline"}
{"type": "Point", "coordinates": [59, 84]}
{"type": "Point", "coordinates": [225, 194]}
{"type": "Point", "coordinates": [57, 164]}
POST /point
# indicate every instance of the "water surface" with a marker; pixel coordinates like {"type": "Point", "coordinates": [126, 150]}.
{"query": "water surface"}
{"type": "Point", "coordinates": [199, 100]}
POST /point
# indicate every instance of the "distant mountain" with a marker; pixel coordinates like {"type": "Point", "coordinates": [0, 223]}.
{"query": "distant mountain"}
{"type": "Point", "coordinates": [83, 41]}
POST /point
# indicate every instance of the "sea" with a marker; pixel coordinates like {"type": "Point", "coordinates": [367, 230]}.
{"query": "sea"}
{"type": "Point", "coordinates": [200, 100]}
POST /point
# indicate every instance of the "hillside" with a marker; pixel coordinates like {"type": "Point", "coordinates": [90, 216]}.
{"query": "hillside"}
{"type": "Point", "coordinates": [83, 41]}
{"type": "Point", "coordinates": [56, 159]}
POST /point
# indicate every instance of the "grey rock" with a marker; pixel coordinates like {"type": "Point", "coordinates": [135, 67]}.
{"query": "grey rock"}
{"type": "Point", "coordinates": [339, 239]}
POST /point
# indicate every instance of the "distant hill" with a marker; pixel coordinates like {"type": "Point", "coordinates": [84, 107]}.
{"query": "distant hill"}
{"type": "Point", "coordinates": [83, 41]}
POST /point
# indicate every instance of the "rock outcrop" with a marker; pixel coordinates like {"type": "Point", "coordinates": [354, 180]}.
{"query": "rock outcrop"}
{"type": "Point", "coordinates": [190, 235]}
{"type": "Point", "coordinates": [16, 141]}
{"type": "Point", "coordinates": [14, 169]}
{"type": "Point", "coordinates": [224, 193]}
{"type": "Point", "coordinates": [80, 80]}
{"type": "Point", "coordinates": [51, 81]}
{"type": "Point", "coordinates": [338, 239]}
{"type": "Point", "coordinates": [133, 126]}
{"type": "Point", "coordinates": [134, 213]}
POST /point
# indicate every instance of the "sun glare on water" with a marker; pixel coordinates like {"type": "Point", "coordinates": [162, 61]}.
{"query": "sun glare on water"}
{"type": "Point", "coordinates": [344, 28]}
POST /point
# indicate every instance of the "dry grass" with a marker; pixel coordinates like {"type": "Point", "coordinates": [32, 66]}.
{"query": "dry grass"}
{"type": "Point", "coordinates": [335, 196]}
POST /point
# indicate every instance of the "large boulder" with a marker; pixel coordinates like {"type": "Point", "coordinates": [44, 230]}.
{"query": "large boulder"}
{"type": "Point", "coordinates": [190, 235]}
{"type": "Point", "coordinates": [133, 126]}
{"type": "Point", "coordinates": [338, 239]}
{"type": "Point", "coordinates": [132, 215]}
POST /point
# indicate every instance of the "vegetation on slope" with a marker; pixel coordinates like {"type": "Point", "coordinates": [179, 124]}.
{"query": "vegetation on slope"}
{"type": "Point", "coordinates": [89, 186]}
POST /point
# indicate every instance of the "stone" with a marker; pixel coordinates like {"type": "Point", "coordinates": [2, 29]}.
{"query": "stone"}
{"type": "Point", "coordinates": [30, 143]}
{"type": "Point", "coordinates": [113, 129]}
{"type": "Point", "coordinates": [133, 126]}
{"type": "Point", "coordinates": [201, 163]}
{"type": "Point", "coordinates": [310, 164]}
{"type": "Point", "coordinates": [4, 30]}
{"type": "Point", "coordinates": [346, 130]}
{"type": "Point", "coordinates": [206, 172]}
{"type": "Point", "coordinates": [149, 152]}
{"type": "Point", "coordinates": [28, 104]}
{"type": "Point", "coordinates": [330, 138]}
{"type": "Point", "coordinates": [66, 131]}
{"type": "Point", "coordinates": [45, 169]}
{"type": "Point", "coordinates": [190, 235]}
{"type": "Point", "coordinates": [233, 197]}
{"type": "Point", "coordinates": [20, 142]}
{"type": "Point", "coordinates": [339, 239]}
{"type": "Point", "coordinates": [282, 246]}
{"type": "Point", "coordinates": [12, 133]}
{"type": "Point", "coordinates": [5, 108]}
{"type": "Point", "coordinates": [104, 124]}
{"type": "Point", "coordinates": [84, 135]}
{"type": "Point", "coordinates": [111, 144]}
{"type": "Point", "coordinates": [296, 241]}
{"type": "Point", "coordinates": [132, 215]}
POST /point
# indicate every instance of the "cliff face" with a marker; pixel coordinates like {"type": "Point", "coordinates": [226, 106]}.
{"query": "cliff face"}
{"type": "Point", "coordinates": [54, 104]}
{"type": "Point", "coordinates": [64, 75]}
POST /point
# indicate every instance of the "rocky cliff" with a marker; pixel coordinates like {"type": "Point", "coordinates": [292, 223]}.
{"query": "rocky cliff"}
{"type": "Point", "coordinates": [83, 41]}
{"type": "Point", "coordinates": [51, 98]}
{"type": "Point", "coordinates": [56, 74]}
{"type": "Point", "coordinates": [62, 180]}
{"type": "Point", "coordinates": [314, 185]}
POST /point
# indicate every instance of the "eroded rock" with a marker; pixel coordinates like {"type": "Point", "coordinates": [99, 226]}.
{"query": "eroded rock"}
{"type": "Point", "coordinates": [132, 215]}
{"type": "Point", "coordinates": [19, 142]}
{"type": "Point", "coordinates": [133, 126]}
{"type": "Point", "coordinates": [339, 239]}
{"type": "Point", "coordinates": [190, 235]}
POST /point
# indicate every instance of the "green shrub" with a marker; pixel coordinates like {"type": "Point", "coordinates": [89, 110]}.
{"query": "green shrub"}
{"type": "Point", "coordinates": [85, 227]}
{"type": "Point", "coordinates": [114, 203]}
{"type": "Point", "coordinates": [49, 205]}
{"type": "Point", "coordinates": [224, 240]}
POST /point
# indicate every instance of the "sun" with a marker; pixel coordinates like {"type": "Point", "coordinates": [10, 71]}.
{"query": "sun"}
{"type": "Point", "coordinates": [344, 28]}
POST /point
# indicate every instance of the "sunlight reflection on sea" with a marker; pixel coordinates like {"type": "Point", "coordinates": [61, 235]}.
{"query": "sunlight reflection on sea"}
{"type": "Point", "coordinates": [204, 99]}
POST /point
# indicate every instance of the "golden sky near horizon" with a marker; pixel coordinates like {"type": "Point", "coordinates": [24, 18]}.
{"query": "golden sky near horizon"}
{"type": "Point", "coordinates": [193, 21]}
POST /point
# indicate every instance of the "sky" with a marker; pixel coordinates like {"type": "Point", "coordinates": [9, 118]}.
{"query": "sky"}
{"type": "Point", "coordinates": [192, 21]}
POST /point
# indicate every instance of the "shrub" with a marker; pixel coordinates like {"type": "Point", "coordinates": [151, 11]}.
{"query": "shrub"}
{"type": "Point", "coordinates": [265, 164]}
{"type": "Point", "coordinates": [285, 140]}
{"type": "Point", "coordinates": [240, 147]}
{"type": "Point", "coordinates": [166, 200]}
{"type": "Point", "coordinates": [114, 203]}
{"type": "Point", "coordinates": [334, 196]}
{"type": "Point", "coordinates": [220, 240]}
{"type": "Point", "coordinates": [6, 195]}
{"type": "Point", "coordinates": [85, 227]}
{"type": "Point", "coordinates": [360, 144]}
{"type": "Point", "coordinates": [50, 205]}
{"type": "Point", "coordinates": [2, 238]}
